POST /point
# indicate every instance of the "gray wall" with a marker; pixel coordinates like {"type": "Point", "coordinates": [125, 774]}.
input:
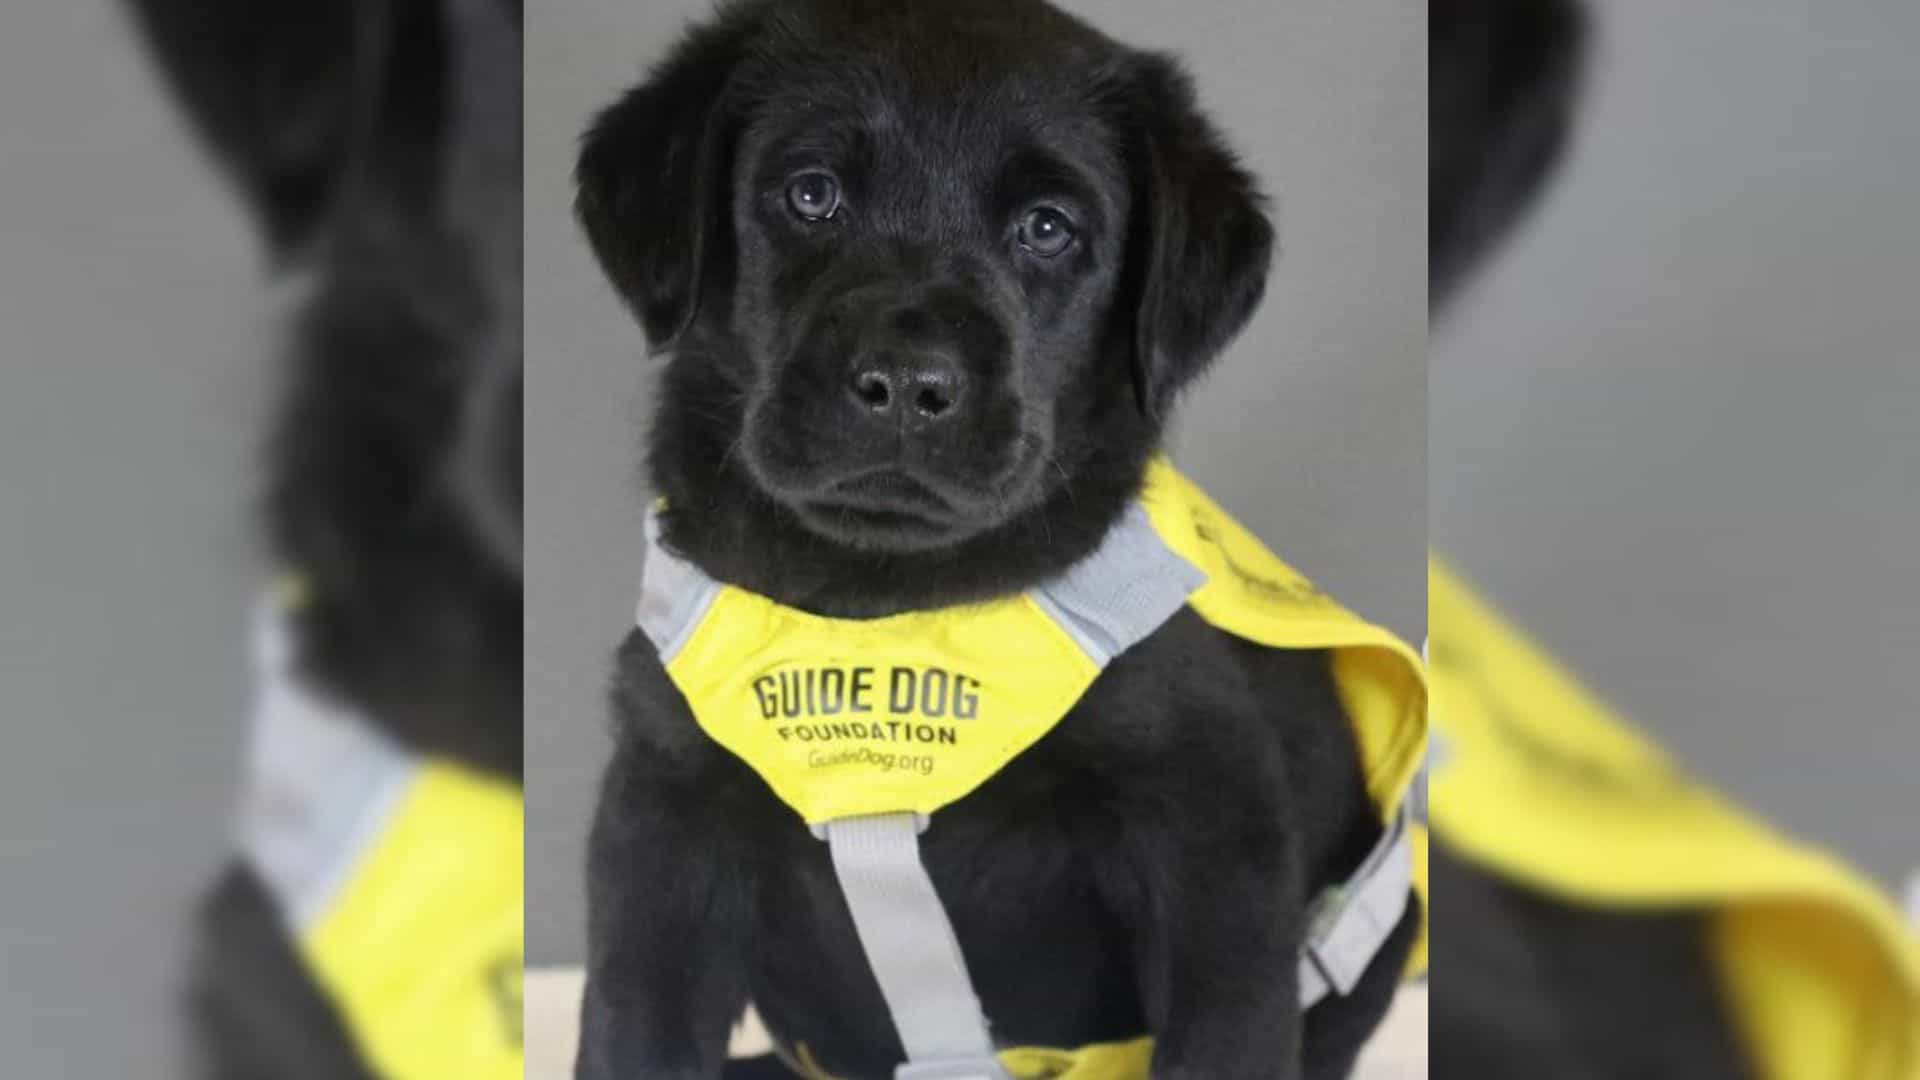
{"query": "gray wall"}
{"type": "Point", "coordinates": [1677, 431]}
{"type": "Point", "coordinates": [1312, 430]}
{"type": "Point", "coordinates": [132, 331]}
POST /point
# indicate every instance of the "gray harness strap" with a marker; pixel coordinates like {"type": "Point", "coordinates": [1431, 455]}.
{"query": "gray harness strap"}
{"type": "Point", "coordinates": [1351, 921]}
{"type": "Point", "coordinates": [911, 948]}
{"type": "Point", "coordinates": [1112, 599]}
{"type": "Point", "coordinates": [1107, 603]}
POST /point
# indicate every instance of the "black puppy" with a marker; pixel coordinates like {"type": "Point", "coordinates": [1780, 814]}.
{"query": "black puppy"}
{"type": "Point", "coordinates": [931, 276]}
{"type": "Point", "coordinates": [1535, 985]}
{"type": "Point", "coordinates": [379, 147]}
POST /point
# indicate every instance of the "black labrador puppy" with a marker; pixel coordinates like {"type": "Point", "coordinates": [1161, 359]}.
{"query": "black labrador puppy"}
{"type": "Point", "coordinates": [986, 225]}
{"type": "Point", "coordinates": [1535, 986]}
{"type": "Point", "coordinates": [378, 147]}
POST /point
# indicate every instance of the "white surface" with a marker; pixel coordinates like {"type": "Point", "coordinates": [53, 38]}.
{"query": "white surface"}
{"type": "Point", "coordinates": [1398, 1051]}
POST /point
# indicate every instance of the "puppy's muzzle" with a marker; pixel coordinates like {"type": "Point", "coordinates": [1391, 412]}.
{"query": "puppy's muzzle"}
{"type": "Point", "coordinates": [906, 375]}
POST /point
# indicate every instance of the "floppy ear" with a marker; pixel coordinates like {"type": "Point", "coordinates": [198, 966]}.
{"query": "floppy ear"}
{"type": "Point", "coordinates": [653, 178]}
{"type": "Point", "coordinates": [300, 98]}
{"type": "Point", "coordinates": [1201, 241]}
{"type": "Point", "coordinates": [1504, 80]}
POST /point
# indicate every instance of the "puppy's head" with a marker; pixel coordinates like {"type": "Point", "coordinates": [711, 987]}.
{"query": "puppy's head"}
{"type": "Point", "coordinates": [378, 146]}
{"type": "Point", "coordinates": [923, 266]}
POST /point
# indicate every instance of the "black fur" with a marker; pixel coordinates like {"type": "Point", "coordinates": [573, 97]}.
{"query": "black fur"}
{"type": "Point", "coordinates": [1146, 866]}
{"type": "Point", "coordinates": [1539, 986]}
{"type": "Point", "coordinates": [378, 147]}
{"type": "Point", "coordinates": [1532, 985]}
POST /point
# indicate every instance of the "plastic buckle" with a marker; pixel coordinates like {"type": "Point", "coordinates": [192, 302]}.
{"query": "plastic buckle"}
{"type": "Point", "coordinates": [965, 1068]}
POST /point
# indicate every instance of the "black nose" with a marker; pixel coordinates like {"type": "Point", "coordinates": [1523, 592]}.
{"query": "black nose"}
{"type": "Point", "coordinates": [918, 386]}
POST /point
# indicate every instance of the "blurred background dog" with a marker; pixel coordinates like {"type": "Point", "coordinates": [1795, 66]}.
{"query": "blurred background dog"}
{"type": "Point", "coordinates": [378, 149]}
{"type": "Point", "coordinates": [1704, 976]}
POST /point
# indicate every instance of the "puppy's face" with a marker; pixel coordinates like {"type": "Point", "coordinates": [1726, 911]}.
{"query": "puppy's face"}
{"type": "Point", "coordinates": [931, 251]}
{"type": "Point", "coordinates": [922, 278]}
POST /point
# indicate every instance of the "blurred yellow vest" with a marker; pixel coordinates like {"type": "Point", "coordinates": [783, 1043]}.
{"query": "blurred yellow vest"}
{"type": "Point", "coordinates": [421, 952]}
{"type": "Point", "coordinates": [1540, 783]}
{"type": "Point", "coordinates": [398, 877]}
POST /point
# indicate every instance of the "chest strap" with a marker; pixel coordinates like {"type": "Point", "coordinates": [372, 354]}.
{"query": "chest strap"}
{"type": "Point", "coordinates": [911, 947]}
{"type": "Point", "coordinates": [1107, 603]}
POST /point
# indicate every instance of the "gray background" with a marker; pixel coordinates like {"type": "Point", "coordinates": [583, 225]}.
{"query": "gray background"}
{"type": "Point", "coordinates": [1311, 430]}
{"type": "Point", "coordinates": [1677, 431]}
{"type": "Point", "coordinates": [132, 330]}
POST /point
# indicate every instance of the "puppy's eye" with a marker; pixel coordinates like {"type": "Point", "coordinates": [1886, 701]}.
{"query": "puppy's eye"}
{"type": "Point", "coordinates": [814, 196]}
{"type": "Point", "coordinates": [1046, 232]}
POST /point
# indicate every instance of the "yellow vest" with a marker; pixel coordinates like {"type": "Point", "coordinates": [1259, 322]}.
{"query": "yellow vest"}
{"type": "Point", "coordinates": [399, 878]}
{"type": "Point", "coordinates": [1822, 976]}
{"type": "Point", "coordinates": [911, 712]}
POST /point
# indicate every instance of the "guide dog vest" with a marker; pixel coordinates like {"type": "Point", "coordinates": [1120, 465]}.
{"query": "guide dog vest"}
{"type": "Point", "coordinates": [867, 728]}
{"type": "Point", "coordinates": [399, 878]}
{"type": "Point", "coordinates": [1821, 975]}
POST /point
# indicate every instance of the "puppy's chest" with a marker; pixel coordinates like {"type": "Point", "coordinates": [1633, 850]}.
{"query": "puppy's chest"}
{"type": "Point", "coordinates": [1048, 953]}
{"type": "Point", "coordinates": [1024, 868]}
{"type": "Point", "coordinates": [1037, 870]}
{"type": "Point", "coordinates": [1169, 738]}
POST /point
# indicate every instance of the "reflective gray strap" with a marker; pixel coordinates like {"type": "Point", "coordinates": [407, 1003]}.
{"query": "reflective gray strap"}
{"type": "Point", "coordinates": [1352, 920]}
{"type": "Point", "coordinates": [320, 784]}
{"type": "Point", "coordinates": [1107, 602]}
{"type": "Point", "coordinates": [1113, 598]}
{"type": "Point", "coordinates": [911, 948]}
{"type": "Point", "coordinates": [674, 594]}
